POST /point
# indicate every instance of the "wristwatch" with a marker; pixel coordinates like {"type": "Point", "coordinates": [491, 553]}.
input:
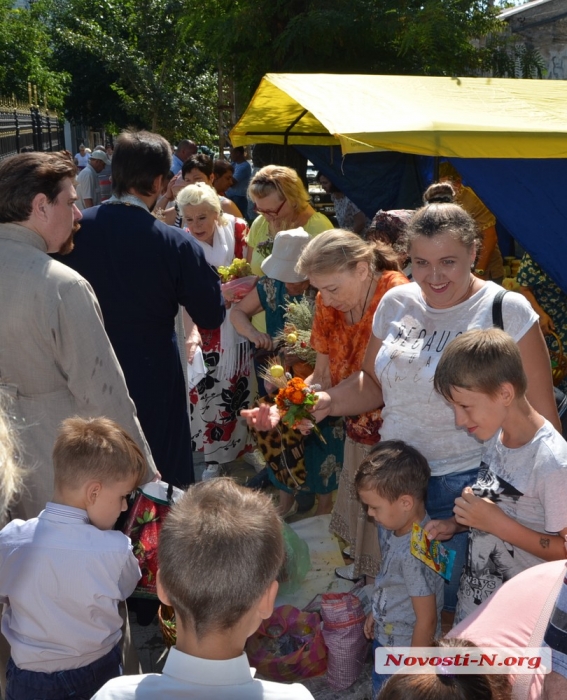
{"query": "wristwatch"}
{"type": "Point", "coordinates": [479, 271]}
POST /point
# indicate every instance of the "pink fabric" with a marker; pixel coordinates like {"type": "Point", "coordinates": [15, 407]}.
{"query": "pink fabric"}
{"type": "Point", "coordinates": [509, 616]}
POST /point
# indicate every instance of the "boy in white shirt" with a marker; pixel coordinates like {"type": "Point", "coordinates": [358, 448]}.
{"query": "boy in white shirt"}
{"type": "Point", "coordinates": [515, 511]}
{"type": "Point", "coordinates": [220, 550]}
{"type": "Point", "coordinates": [63, 573]}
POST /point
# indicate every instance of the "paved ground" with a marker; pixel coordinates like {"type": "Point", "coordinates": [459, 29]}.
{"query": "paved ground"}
{"type": "Point", "coordinates": [152, 652]}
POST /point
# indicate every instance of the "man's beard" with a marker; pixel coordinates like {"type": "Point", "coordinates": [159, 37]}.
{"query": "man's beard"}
{"type": "Point", "coordinates": [69, 244]}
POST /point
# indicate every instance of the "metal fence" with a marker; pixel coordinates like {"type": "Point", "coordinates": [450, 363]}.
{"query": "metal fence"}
{"type": "Point", "coordinates": [27, 125]}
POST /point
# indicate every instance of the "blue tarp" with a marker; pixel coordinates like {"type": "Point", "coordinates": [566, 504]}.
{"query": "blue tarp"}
{"type": "Point", "coordinates": [527, 196]}
{"type": "Point", "coordinates": [373, 181]}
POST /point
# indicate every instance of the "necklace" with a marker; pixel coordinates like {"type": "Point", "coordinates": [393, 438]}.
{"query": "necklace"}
{"type": "Point", "coordinates": [365, 302]}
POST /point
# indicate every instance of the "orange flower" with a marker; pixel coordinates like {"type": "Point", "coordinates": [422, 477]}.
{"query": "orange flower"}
{"type": "Point", "coordinates": [297, 383]}
{"type": "Point", "coordinates": [294, 393]}
{"type": "Point", "coordinates": [297, 397]}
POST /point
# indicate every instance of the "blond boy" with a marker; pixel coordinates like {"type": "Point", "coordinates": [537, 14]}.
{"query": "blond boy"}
{"type": "Point", "coordinates": [63, 574]}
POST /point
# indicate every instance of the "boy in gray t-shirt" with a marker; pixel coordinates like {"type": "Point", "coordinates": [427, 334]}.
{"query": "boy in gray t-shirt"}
{"type": "Point", "coordinates": [515, 512]}
{"type": "Point", "coordinates": [408, 596]}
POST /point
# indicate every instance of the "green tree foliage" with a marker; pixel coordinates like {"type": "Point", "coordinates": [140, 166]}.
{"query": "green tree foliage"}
{"type": "Point", "coordinates": [131, 65]}
{"type": "Point", "coordinates": [419, 37]}
{"type": "Point", "coordinates": [511, 58]}
{"type": "Point", "coordinates": [25, 57]}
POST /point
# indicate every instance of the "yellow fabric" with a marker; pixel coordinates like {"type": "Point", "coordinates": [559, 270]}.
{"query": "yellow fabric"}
{"type": "Point", "coordinates": [484, 219]}
{"type": "Point", "coordinates": [452, 117]}
{"type": "Point", "coordinates": [317, 223]}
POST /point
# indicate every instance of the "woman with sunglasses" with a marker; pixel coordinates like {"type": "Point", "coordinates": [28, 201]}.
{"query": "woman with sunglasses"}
{"type": "Point", "coordinates": [282, 203]}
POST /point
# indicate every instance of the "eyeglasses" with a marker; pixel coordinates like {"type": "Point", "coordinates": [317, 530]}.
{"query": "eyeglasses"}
{"type": "Point", "coordinates": [269, 212]}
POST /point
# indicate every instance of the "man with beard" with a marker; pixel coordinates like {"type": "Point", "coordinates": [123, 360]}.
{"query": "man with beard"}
{"type": "Point", "coordinates": [55, 358]}
{"type": "Point", "coordinates": [142, 271]}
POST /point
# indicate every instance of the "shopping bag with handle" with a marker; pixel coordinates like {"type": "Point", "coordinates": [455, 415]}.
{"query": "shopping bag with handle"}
{"type": "Point", "coordinates": [152, 503]}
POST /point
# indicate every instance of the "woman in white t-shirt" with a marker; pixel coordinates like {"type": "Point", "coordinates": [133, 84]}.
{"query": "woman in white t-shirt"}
{"type": "Point", "coordinates": [82, 157]}
{"type": "Point", "coordinates": [412, 326]}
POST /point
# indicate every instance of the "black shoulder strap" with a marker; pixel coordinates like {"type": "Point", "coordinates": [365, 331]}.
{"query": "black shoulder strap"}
{"type": "Point", "coordinates": [497, 318]}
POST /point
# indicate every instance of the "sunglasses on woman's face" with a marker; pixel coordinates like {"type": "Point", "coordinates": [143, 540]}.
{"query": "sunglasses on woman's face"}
{"type": "Point", "coordinates": [269, 212]}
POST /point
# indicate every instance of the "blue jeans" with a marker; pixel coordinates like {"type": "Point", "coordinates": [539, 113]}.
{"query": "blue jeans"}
{"type": "Point", "coordinates": [441, 494]}
{"type": "Point", "coordinates": [75, 684]}
{"type": "Point", "coordinates": [378, 679]}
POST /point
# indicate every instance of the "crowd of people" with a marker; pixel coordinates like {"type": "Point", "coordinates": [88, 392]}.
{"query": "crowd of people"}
{"type": "Point", "coordinates": [434, 412]}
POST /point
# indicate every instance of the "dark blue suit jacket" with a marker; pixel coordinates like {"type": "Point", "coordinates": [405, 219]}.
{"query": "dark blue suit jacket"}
{"type": "Point", "coordinates": [142, 270]}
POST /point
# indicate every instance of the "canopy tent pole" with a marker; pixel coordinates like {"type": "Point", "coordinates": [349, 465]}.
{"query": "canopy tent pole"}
{"type": "Point", "coordinates": [289, 128]}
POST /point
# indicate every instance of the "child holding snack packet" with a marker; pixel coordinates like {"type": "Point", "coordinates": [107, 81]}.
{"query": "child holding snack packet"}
{"type": "Point", "coordinates": [408, 594]}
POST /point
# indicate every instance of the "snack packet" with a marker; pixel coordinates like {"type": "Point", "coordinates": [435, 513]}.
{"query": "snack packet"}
{"type": "Point", "coordinates": [431, 552]}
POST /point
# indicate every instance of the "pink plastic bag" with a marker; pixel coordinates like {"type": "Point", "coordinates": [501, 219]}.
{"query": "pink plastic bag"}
{"type": "Point", "coordinates": [343, 632]}
{"type": "Point", "coordinates": [288, 647]}
{"type": "Point", "coordinates": [235, 290]}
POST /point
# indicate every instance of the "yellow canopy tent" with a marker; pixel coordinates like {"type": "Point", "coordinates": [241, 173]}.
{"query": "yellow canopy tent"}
{"type": "Point", "coordinates": [451, 117]}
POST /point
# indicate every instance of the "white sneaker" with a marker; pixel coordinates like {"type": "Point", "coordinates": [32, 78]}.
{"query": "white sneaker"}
{"type": "Point", "coordinates": [347, 572]}
{"type": "Point", "coordinates": [211, 472]}
{"type": "Point", "coordinates": [256, 459]}
{"type": "Point", "coordinates": [292, 511]}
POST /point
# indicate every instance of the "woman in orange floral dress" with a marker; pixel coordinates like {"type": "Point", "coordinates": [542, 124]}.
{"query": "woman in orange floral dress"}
{"type": "Point", "coordinates": [352, 276]}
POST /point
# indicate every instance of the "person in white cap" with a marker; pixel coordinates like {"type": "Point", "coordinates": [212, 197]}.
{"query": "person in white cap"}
{"type": "Point", "coordinates": [88, 185]}
{"type": "Point", "coordinates": [270, 294]}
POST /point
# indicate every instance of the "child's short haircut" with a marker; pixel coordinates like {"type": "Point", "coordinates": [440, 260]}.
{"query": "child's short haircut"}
{"type": "Point", "coordinates": [394, 469]}
{"type": "Point", "coordinates": [220, 548]}
{"type": "Point", "coordinates": [481, 360]}
{"type": "Point", "coordinates": [95, 448]}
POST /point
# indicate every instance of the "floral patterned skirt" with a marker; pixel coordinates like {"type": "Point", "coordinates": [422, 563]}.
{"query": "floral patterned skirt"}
{"type": "Point", "coordinates": [217, 429]}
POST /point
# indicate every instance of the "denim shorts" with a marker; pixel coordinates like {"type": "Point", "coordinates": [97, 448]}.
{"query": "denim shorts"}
{"type": "Point", "coordinates": [74, 684]}
{"type": "Point", "coordinates": [441, 494]}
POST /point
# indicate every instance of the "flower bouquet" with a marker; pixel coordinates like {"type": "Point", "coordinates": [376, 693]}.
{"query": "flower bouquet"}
{"type": "Point", "coordinates": [238, 268]}
{"type": "Point", "coordinates": [296, 335]}
{"type": "Point", "coordinates": [294, 398]}
{"type": "Point", "coordinates": [237, 280]}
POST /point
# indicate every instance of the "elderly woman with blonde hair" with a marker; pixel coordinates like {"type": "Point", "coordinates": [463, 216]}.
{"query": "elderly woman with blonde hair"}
{"type": "Point", "coordinates": [352, 276]}
{"type": "Point", "coordinates": [10, 471]}
{"type": "Point", "coordinates": [216, 427]}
